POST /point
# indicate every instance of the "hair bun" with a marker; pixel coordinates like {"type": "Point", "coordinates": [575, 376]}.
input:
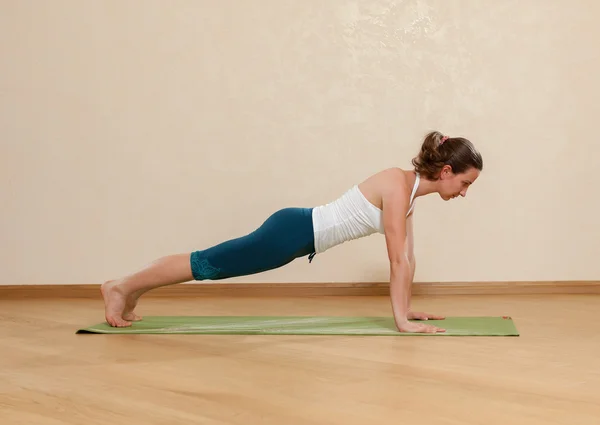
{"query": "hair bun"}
{"type": "Point", "coordinates": [434, 154]}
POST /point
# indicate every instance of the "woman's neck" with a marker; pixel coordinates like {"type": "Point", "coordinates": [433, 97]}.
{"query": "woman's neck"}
{"type": "Point", "coordinates": [425, 186]}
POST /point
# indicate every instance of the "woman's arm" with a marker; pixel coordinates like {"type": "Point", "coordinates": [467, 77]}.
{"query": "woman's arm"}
{"type": "Point", "coordinates": [410, 249]}
{"type": "Point", "coordinates": [395, 205]}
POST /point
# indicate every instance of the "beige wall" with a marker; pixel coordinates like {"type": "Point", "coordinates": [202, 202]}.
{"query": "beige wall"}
{"type": "Point", "coordinates": [130, 130]}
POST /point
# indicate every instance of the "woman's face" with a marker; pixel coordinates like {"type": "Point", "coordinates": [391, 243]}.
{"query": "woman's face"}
{"type": "Point", "coordinates": [453, 185]}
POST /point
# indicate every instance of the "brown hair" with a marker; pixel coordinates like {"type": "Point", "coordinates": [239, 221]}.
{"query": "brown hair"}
{"type": "Point", "coordinates": [438, 150]}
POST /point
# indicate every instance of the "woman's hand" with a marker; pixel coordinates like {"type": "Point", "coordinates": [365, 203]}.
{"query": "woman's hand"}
{"type": "Point", "coordinates": [418, 328]}
{"type": "Point", "coordinates": [415, 315]}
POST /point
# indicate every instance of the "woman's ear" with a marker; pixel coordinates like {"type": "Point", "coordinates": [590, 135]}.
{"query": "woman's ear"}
{"type": "Point", "coordinates": [446, 171]}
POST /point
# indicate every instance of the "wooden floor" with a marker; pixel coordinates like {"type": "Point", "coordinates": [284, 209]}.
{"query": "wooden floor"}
{"type": "Point", "coordinates": [548, 375]}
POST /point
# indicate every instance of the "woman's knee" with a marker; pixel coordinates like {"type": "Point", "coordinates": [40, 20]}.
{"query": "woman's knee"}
{"type": "Point", "coordinates": [202, 268]}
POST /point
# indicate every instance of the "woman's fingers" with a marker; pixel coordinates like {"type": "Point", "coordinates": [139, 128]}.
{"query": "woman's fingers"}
{"type": "Point", "coordinates": [431, 329]}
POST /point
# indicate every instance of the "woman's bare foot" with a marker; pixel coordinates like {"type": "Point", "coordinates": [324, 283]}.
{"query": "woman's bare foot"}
{"type": "Point", "coordinates": [115, 302]}
{"type": "Point", "coordinates": [121, 295]}
{"type": "Point", "coordinates": [128, 313]}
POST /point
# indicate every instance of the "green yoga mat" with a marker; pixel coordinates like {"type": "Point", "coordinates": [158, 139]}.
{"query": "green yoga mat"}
{"type": "Point", "coordinates": [304, 325]}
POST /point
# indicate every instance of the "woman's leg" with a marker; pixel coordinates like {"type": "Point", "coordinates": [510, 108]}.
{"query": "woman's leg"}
{"type": "Point", "coordinates": [121, 295]}
{"type": "Point", "coordinates": [284, 236]}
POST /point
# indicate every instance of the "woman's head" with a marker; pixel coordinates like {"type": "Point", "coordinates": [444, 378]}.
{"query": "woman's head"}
{"type": "Point", "coordinates": [451, 161]}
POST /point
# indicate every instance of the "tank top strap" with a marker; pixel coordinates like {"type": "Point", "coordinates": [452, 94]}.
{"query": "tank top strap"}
{"type": "Point", "coordinates": [412, 195]}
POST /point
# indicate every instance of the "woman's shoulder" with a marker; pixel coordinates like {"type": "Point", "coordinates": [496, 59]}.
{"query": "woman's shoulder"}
{"type": "Point", "coordinates": [393, 180]}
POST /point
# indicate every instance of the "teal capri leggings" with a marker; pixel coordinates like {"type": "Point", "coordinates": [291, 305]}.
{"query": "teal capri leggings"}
{"type": "Point", "coordinates": [284, 236]}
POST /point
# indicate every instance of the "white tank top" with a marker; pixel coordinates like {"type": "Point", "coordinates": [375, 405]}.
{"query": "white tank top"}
{"type": "Point", "coordinates": [349, 217]}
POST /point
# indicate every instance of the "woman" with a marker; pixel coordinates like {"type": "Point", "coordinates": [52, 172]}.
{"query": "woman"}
{"type": "Point", "coordinates": [383, 203]}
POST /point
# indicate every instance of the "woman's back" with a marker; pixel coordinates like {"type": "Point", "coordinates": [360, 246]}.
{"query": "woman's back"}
{"type": "Point", "coordinates": [359, 211]}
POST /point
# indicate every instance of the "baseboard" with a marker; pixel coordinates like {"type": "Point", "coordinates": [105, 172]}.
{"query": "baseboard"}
{"type": "Point", "coordinates": [311, 289]}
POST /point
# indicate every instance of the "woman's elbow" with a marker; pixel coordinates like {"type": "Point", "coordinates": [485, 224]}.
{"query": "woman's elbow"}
{"type": "Point", "coordinates": [399, 261]}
